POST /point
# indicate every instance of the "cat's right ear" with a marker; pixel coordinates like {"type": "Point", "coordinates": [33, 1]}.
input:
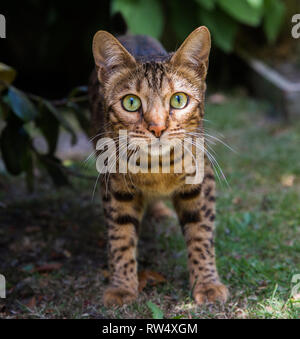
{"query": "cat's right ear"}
{"type": "Point", "coordinates": [109, 54]}
{"type": "Point", "coordinates": [195, 49]}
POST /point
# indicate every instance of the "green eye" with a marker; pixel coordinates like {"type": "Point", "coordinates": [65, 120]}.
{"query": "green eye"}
{"type": "Point", "coordinates": [179, 100]}
{"type": "Point", "coordinates": [131, 103]}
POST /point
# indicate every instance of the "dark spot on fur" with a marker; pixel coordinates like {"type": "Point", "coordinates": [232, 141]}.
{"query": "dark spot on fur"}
{"type": "Point", "coordinates": [193, 193]}
{"type": "Point", "coordinates": [127, 219]}
{"type": "Point", "coordinates": [123, 196]}
{"type": "Point", "coordinates": [207, 191]}
{"type": "Point", "coordinates": [207, 213]}
{"type": "Point", "coordinates": [209, 177]}
{"type": "Point", "coordinates": [190, 217]}
{"type": "Point", "coordinates": [206, 228]}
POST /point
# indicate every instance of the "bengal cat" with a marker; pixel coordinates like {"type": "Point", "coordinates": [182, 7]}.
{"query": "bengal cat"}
{"type": "Point", "coordinates": [138, 87]}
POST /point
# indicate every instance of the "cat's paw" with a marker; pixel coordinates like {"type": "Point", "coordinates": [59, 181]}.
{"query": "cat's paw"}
{"type": "Point", "coordinates": [114, 296]}
{"type": "Point", "coordinates": [210, 293]}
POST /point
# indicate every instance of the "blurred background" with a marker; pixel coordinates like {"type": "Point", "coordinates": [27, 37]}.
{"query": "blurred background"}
{"type": "Point", "coordinates": [252, 112]}
{"type": "Point", "coordinates": [49, 43]}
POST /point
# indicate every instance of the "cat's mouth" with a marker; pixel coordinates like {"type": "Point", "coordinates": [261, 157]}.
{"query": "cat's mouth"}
{"type": "Point", "coordinates": [157, 146]}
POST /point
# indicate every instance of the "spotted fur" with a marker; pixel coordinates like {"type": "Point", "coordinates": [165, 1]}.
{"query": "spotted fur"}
{"type": "Point", "coordinates": [139, 65]}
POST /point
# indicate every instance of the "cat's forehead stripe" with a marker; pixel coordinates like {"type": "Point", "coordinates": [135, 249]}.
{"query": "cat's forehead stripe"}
{"type": "Point", "coordinates": [154, 73]}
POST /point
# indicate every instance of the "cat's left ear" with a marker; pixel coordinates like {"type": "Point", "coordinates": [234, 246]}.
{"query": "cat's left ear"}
{"type": "Point", "coordinates": [194, 50]}
{"type": "Point", "coordinates": [109, 54]}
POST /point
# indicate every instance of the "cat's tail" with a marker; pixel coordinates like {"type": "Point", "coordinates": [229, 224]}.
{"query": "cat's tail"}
{"type": "Point", "coordinates": [118, 25]}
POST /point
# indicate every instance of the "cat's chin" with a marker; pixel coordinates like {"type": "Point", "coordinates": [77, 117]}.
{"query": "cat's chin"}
{"type": "Point", "coordinates": [159, 147]}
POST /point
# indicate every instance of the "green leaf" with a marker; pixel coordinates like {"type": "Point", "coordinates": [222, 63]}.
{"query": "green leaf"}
{"type": "Point", "coordinates": [142, 17]}
{"type": "Point", "coordinates": [7, 75]}
{"type": "Point", "coordinates": [207, 4]}
{"type": "Point", "coordinates": [54, 168]}
{"type": "Point", "coordinates": [256, 3]}
{"type": "Point", "coordinates": [28, 167]}
{"type": "Point", "coordinates": [4, 108]}
{"type": "Point", "coordinates": [274, 15]}
{"type": "Point", "coordinates": [157, 313]}
{"type": "Point", "coordinates": [49, 126]}
{"type": "Point", "coordinates": [223, 28]}
{"type": "Point", "coordinates": [21, 105]}
{"type": "Point", "coordinates": [187, 22]}
{"type": "Point", "coordinates": [14, 145]}
{"type": "Point", "coordinates": [81, 117]}
{"type": "Point", "coordinates": [179, 317]}
{"type": "Point", "coordinates": [58, 115]}
{"type": "Point", "coordinates": [78, 90]}
{"type": "Point", "coordinates": [242, 11]}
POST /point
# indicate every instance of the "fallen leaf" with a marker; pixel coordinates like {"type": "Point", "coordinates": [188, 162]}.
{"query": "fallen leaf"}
{"type": "Point", "coordinates": [67, 254]}
{"type": "Point", "coordinates": [237, 200]}
{"type": "Point", "coordinates": [287, 180]}
{"type": "Point", "coordinates": [269, 309]}
{"type": "Point", "coordinates": [217, 98]}
{"type": "Point", "coordinates": [296, 297]}
{"type": "Point", "coordinates": [263, 285]}
{"type": "Point", "coordinates": [31, 303]}
{"type": "Point", "coordinates": [150, 277]}
{"type": "Point", "coordinates": [48, 267]}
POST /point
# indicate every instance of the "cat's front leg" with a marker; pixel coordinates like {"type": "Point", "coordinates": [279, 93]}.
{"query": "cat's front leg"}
{"type": "Point", "coordinates": [195, 206]}
{"type": "Point", "coordinates": [123, 212]}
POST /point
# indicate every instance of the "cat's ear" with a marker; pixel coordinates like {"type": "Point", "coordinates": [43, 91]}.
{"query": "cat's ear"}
{"type": "Point", "coordinates": [194, 50]}
{"type": "Point", "coordinates": [109, 54]}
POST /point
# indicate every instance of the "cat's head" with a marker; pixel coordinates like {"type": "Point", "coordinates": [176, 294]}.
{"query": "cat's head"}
{"type": "Point", "coordinates": [161, 99]}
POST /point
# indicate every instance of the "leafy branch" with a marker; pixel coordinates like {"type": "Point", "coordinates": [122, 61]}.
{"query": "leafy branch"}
{"type": "Point", "coordinates": [224, 18]}
{"type": "Point", "coordinates": [20, 111]}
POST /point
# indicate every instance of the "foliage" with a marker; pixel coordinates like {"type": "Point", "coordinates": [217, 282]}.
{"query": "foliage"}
{"type": "Point", "coordinates": [135, 12]}
{"type": "Point", "coordinates": [24, 113]}
{"type": "Point", "coordinates": [224, 18]}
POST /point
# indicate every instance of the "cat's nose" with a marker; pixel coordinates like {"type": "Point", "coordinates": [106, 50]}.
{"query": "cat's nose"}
{"type": "Point", "coordinates": [157, 130]}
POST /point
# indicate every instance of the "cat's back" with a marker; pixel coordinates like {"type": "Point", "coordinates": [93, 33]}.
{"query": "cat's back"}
{"type": "Point", "coordinates": [143, 47]}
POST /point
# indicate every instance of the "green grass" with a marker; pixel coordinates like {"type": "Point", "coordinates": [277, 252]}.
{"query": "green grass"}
{"type": "Point", "coordinates": [257, 235]}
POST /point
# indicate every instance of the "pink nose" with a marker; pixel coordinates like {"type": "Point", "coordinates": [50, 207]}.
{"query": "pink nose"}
{"type": "Point", "coordinates": [157, 130]}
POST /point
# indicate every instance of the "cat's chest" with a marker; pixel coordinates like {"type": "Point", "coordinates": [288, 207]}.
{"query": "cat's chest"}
{"type": "Point", "coordinates": [157, 184]}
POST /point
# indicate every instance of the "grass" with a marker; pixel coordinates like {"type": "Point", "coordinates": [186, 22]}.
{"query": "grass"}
{"type": "Point", "coordinates": [257, 240]}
